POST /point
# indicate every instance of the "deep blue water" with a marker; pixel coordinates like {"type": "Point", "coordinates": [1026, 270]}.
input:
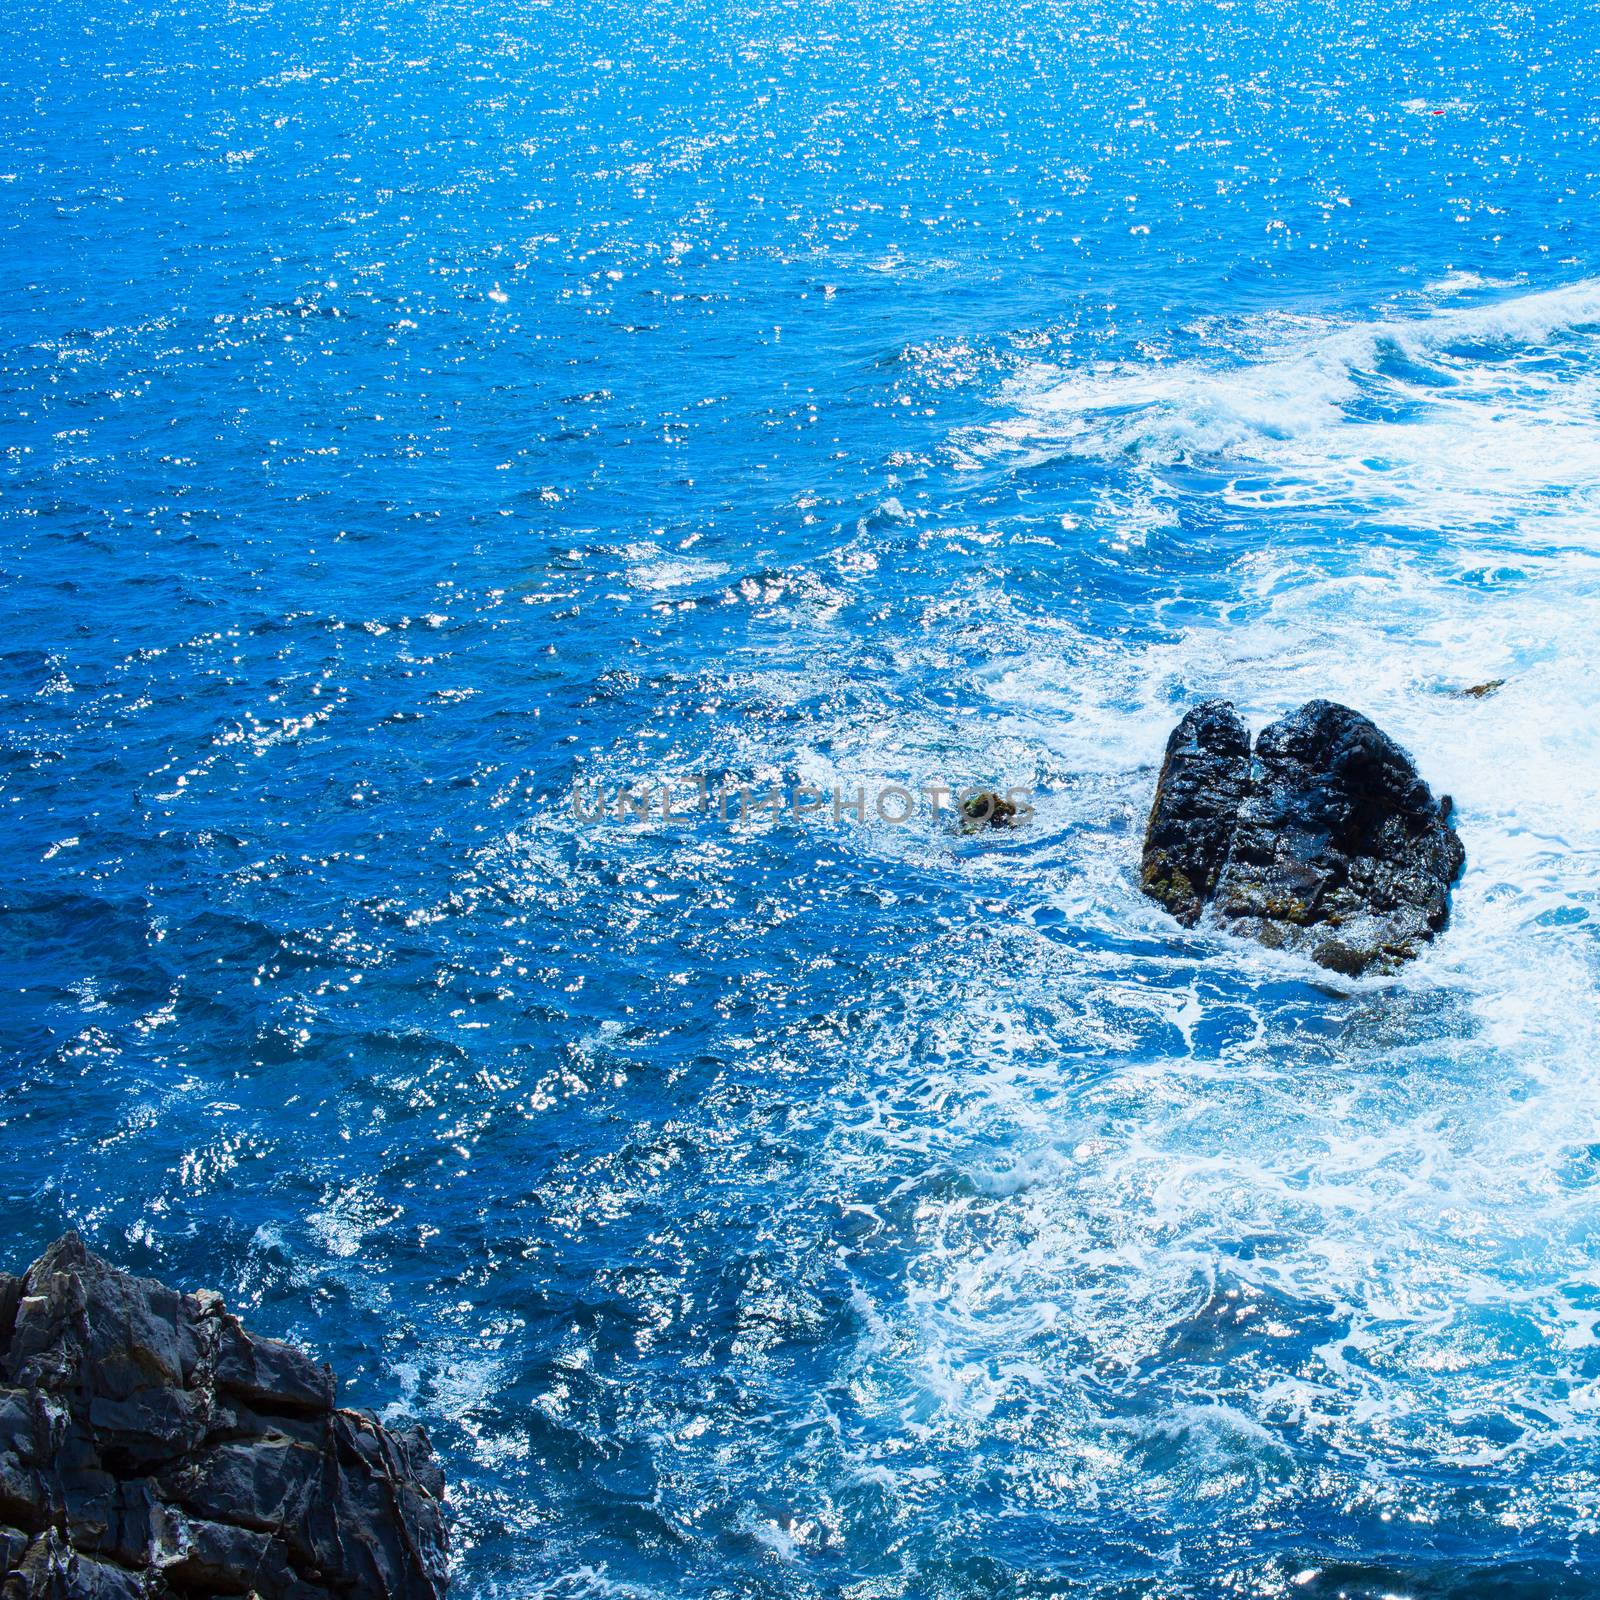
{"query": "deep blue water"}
{"type": "Point", "coordinates": [413, 411]}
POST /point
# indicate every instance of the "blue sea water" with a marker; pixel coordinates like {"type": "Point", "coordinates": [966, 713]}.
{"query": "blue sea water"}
{"type": "Point", "coordinates": [413, 411]}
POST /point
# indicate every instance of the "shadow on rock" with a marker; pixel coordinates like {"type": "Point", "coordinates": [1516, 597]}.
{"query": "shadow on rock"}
{"type": "Point", "coordinates": [150, 1447]}
{"type": "Point", "coordinates": [1323, 840]}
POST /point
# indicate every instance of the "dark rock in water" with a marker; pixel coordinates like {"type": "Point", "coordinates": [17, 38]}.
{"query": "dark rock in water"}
{"type": "Point", "coordinates": [1325, 842]}
{"type": "Point", "coordinates": [1203, 782]}
{"type": "Point", "coordinates": [1481, 691]}
{"type": "Point", "coordinates": [151, 1448]}
{"type": "Point", "coordinates": [988, 808]}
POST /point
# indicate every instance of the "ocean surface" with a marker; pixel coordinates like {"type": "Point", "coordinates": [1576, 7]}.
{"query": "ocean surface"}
{"type": "Point", "coordinates": [413, 412]}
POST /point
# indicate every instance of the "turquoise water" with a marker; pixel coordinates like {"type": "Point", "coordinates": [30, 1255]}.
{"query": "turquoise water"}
{"type": "Point", "coordinates": [414, 412]}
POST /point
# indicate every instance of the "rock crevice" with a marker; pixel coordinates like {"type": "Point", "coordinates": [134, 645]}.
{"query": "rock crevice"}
{"type": "Point", "coordinates": [151, 1447]}
{"type": "Point", "coordinates": [1324, 840]}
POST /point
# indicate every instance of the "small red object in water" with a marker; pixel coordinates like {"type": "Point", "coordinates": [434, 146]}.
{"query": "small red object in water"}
{"type": "Point", "coordinates": [1438, 113]}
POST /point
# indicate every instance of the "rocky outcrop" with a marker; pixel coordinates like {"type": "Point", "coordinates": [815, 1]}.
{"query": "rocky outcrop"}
{"type": "Point", "coordinates": [1203, 783]}
{"type": "Point", "coordinates": [150, 1447]}
{"type": "Point", "coordinates": [1323, 841]}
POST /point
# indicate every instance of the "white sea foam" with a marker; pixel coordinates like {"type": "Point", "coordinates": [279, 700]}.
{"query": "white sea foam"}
{"type": "Point", "coordinates": [1177, 1224]}
{"type": "Point", "coordinates": [1453, 418]}
{"type": "Point", "coordinates": [1217, 1221]}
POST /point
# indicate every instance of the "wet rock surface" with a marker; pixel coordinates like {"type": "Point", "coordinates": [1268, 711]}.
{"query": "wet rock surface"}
{"type": "Point", "coordinates": [988, 810]}
{"type": "Point", "coordinates": [1324, 840]}
{"type": "Point", "coordinates": [150, 1446]}
{"type": "Point", "coordinates": [1203, 783]}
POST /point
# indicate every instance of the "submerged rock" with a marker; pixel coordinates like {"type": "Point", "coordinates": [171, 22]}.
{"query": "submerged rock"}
{"type": "Point", "coordinates": [1325, 841]}
{"type": "Point", "coordinates": [988, 810]}
{"type": "Point", "coordinates": [150, 1447]}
